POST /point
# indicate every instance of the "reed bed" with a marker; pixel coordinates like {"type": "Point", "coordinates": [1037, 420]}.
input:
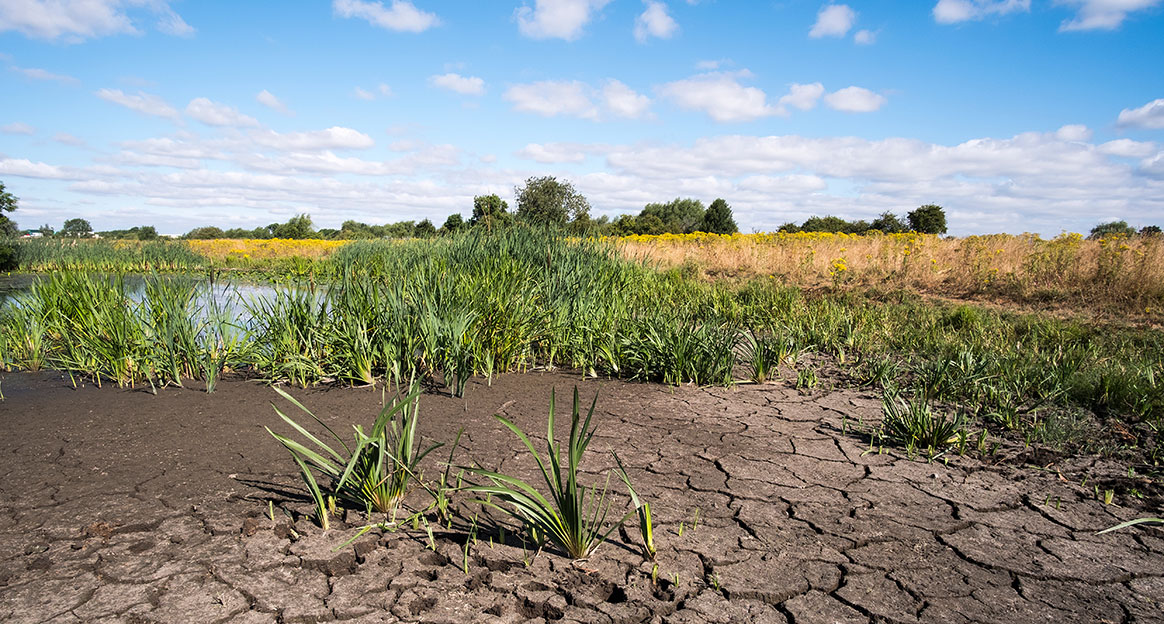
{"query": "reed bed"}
{"type": "Point", "coordinates": [479, 305]}
{"type": "Point", "coordinates": [48, 255]}
{"type": "Point", "coordinates": [1067, 270]}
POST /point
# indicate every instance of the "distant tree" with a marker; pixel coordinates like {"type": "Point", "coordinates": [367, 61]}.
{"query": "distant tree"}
{"type": "Point", "coordinates": [147, 233]}
{"type": "Point", "coordinates": [928, 219]}
{"type": "Point", "coordinates": [400, 229]}
{"type": "Point", "coordinates": [718, 219]}
{"type": "Point", "coordinates": [240, 233]}
{"type": "Point", "coordinates": [679, 216]}
{"type": "Point", "coordinates": [548, 202]}
{"type": "Point", "coordinates": [46, 230]}
{"type": "Point", "coordinates": [455, 223]}
{"type": "Point", "coordinates": [490, 211]}
{"type": "Point", "coordinates": [297, 227]}
{"type": "Point", "coordinates": [201, 233]}
{"type": "Point", "coordinates": [825, 224]}
{"type": "Point", "coordinates": [1150, 230]}
{"type": "Point", "coordinates": [789, 228]}
{"type": "Point", "coordinates": [1112, 228]}
{"type": "Point", "coordinates": [889, 223]}
{"type": "Point", "coordinates": [8, 201]}
{"type": "Point", "coordinates": [424, 229]}
{"type": "Point", "coordinates": [77, 228]}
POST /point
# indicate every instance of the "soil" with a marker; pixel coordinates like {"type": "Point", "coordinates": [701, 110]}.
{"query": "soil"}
{"type": "Point", "coordinates": [118, 505]}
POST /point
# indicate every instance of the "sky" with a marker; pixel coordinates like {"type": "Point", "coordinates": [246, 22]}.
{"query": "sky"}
{"type": "Point", "coordinates": [1016, 116]}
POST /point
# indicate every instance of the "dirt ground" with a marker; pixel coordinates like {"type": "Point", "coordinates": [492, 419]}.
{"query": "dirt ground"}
{"type": "Point", "coordinates": [118, 505]}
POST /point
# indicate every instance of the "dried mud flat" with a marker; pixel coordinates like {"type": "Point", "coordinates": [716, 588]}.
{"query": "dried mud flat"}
{"type": "Point", "coordinates": [121, 506]}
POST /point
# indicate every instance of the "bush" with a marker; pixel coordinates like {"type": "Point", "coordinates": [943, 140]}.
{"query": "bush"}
{"type": "Point", "coordinates": [1111, 228]}
{"type": "Point", "coordinates": [8, 256]}
{"type": "Point", "coordinates": [928, 219]}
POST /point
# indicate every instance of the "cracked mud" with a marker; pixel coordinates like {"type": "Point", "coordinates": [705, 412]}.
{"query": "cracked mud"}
{"type": "Point", "coordinates": [121, 506]}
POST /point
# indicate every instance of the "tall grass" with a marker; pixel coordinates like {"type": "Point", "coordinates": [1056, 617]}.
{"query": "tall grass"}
{"type": "Point", "coordinates": [1065, 271]}
{"type": "Point", "coordinates": [48, 255]}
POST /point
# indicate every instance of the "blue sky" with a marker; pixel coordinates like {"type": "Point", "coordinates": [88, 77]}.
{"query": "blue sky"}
{"type": "Point", "coordinates": [1015, 115]}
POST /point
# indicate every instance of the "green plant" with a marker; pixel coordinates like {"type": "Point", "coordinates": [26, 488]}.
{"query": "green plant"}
{"type": "Point", "coordinates": [806, 378]}
{"type": "Point", "coordinates": [373, 474]}
{"type": "Point", "coordinates": [643, 508]}
{"type": "Point", "coordinates": [913, 424]}
{"type": "Point", "coordinates": [574, 516]}
{"type": "Point", "coordinates": [1131, 523]}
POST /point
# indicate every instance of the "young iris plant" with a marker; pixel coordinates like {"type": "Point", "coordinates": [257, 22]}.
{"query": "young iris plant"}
{"type": "Point", "coordinates": [574, 515]}
{"type": "Point", "coordinates": [375, 473]}
{"type": "Point", "coordinates": [646, 526]}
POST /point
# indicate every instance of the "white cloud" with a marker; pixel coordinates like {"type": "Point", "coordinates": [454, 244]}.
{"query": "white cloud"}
{"type": "Point", "coordinates": [363, 95]}
{"type": "Point", "coordinates": [623, 101]}
{"type": "Point", "coordinates": [24, 168]}
{"type": "Point", "coordinates": [552, 98]}
{"type": "Point", "coordinates": [400, 15]}
{"type": "Point", "coordinates": [1073, 132]}
{"type": "Point", "coordinates": [833, 20]}
{"type": "Point", "coordinates": [1127, 148]}
{"type": "Point", "coordinates": [215, 114]}
{"type": "Point", "coordinates": [268, 99]}
{"type": "Point", "coordinates": [865, 37]}
{"type": "Point", "coordinates": [1150, 115]}
{"type": "Point", "coordinates": [65, 138]}
{"type": "Point", "coordinates": [553, 153]}
{"type": "Point", "coordinates": [332, 138]}
{"type": "Point", "coordinates": [556, 19]}
{"type": "Point", "coordinates": [954, 11]}
{"type": "Point", "coordinates": [803, 96]}
{"type": "Point", "coordinates": [17, 128]}
{"type": "Point", "coordinates": [1102, 14]}
{"type": "Point", "coordinates": [721, 96]}
{"type": "Point", "coordinates": [465, 85]}
{"type": "Point", "coordinates": [381, 91]}
{"type": "Point", "coordinates": [855, 100]}
{"type": "Point", "coordinates": [41, 74]}
{"type": "Point", "coordinates": [144, 103]}
{"type": "Point", "coordinates": [655, 22]}
{"type": "Point", "coordinates": [710, 65]}
{"type": "Point", "coordinates": [77, 20]}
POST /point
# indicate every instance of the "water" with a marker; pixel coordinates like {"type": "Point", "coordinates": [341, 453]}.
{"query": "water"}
{"type": "Point", "coordinates": [228, 296]}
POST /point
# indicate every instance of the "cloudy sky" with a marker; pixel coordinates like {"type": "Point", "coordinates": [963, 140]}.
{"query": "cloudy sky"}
{"type": "Point", "coordinates": [1015, 115]}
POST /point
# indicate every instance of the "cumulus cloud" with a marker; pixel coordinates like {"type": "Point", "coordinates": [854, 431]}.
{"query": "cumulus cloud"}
{"type": "Point", "coordinates": [1073, 132]}
{"type": "Point", "coordinates": [77, 20]}
{"type": "Point", "coordinates": [144, 103]}
{"type": "Point", "coordinates": [623, 101]}
{"type": "Point", "coordinates": [1102, 14]}
{"type": "Point", "coordinates": [465, 85]}
{"type": "Point", "coordinates": [833, 20]}
{"type": "Point", "coordinates": [36, 73]}
{"type": "Point", "coordinates": [552, 98]}
{"type": "Point", "coordinates": [803, 96]}
{"type": "Point", "coordinates": [557, 19]}
{"type": "Point", "coordinates": [64, 138]}
{"type": "Point", "coordinates": [954, 11]}
{"type": "Point", "coordinates": [554, 153]}
{"type": "Point", "coordinates": [17, 128]}
{"type": "Point", "coordinates": [721, 96]}
{"type": "Point", "coordinates": [399, 15]}
{"type": "Point", "coordinates": [855, 100]}
{"type": "Point", "coordinates": [865, 37]}
{"type": "Point", "coordinates": [24, 168]}
{"type": "Point", "coordinates": [215, 114]}
{"type": "Point", "coordinates": [1150, 115]}
{"type": "Point", "coordinates": [268, 99]}
{"type": "Point", "coordinates": [655, 22]}
{"type": "Point", "coordinates": [332, 138]}
{"type": "Point", "coordinates": [1127, 148]}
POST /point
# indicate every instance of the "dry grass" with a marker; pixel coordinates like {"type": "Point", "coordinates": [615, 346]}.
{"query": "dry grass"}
{"type": "Point", "coordinates": [1117, 274]}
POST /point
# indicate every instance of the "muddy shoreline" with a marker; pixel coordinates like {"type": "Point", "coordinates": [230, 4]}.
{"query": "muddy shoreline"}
{"type": "Point", "coordinates": [118, 505]}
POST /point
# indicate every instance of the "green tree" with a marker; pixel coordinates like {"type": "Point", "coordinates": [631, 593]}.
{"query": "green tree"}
{"type": "Point", "coordinates": [202, 233]}
{"type": "Point", "coordinates": [679, 216]}
{"type": "Point", "coordinates": [490, 211]}
{"type": "Point", "coordinates": [46, 230]}
{"type": "Point", "coordinates": [147, 233]}
{"type": "Point", "coordinates": [718, 218]}
{"type": "Point", "coordinates": [1150, 230]}
{"type": "Point", "coordinates": [297, 227]}
{"type": "Point", "coordinates": [424, 229]}
{"type": "Point", "coordinates": [889, 223]}
{"type": "Point", "coordinates": [789, 228]}
{"type": "Point", "coordinates": [77, 228]}
{"type": "Point", "coordinates": [1112, 228]}
{"type": "Point", "coordinates": [928, 219]}
{"type": "Point", "coordinates": [546, 201]}
{"type": "Point", "coordinates": [455, 223]}
{"type": "Point", "coordinates": [825, 224]}
{"type": "Point", "coordinates": [8, 202]}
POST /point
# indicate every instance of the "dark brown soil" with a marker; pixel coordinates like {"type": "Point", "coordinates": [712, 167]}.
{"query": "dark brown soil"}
{"type": "Point", "coordinates": [121, 506]}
